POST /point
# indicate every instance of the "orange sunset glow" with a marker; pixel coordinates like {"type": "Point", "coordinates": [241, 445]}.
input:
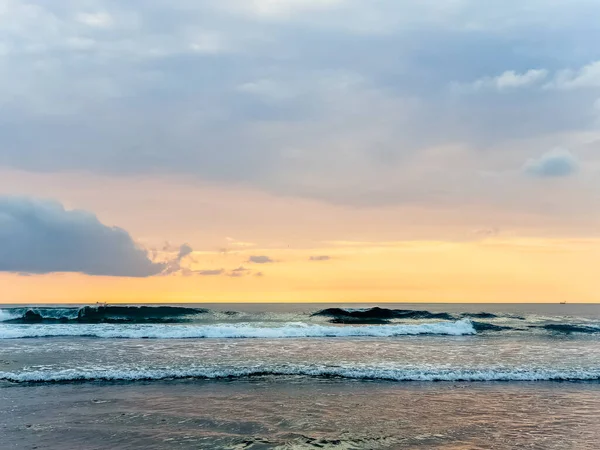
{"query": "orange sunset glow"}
{"type": "Point", "coordinates": [307, 251]}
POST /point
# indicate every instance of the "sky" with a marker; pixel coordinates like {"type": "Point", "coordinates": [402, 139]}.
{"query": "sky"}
{"type": "Point", "coordinates": [299, 150]}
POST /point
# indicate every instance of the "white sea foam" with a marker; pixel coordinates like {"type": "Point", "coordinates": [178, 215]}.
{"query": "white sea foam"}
{"type": "Point", "coordinates": [46, 313]}
{"type": "Point", "coordinates": [7, 315]}
{"type": "Point", "coordinates": [285, 330]}
{"type": "Point", "coordinates": [390, 374]}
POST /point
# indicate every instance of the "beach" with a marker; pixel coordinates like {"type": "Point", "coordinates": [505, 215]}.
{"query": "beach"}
{"type": "Point", "coordinates": [297, 376]}
{"type": "Point", "coordinates": [294, 412]}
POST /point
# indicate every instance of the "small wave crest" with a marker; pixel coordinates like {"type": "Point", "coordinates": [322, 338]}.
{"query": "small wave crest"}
{"type": "Point", "coordinates": [375, 373]}
{"type": "Point", "coordinates": [480, 315]}
{"type": "Point", "coordinates": [486, 326]}
{"type": "Point", "coordinates": [285, 330]}
{"type": "Point", "coordinates": [570, 328]}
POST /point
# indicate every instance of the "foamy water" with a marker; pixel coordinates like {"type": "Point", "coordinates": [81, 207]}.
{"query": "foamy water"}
{"type": "Point", "coordinates": [373, 373]}
{"type": "Point", "coordinates": [129, 343]}
{"type": "Point", "coordinates": [225, 331]}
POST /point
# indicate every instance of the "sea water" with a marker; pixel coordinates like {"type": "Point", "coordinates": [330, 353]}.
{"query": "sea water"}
{"type": "Point", "coordinates": [300, 376]}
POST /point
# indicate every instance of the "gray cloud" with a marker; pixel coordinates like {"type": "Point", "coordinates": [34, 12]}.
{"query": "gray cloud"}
{"type": "Point", "coordinates": [239, 272]}
{"type": "Point", "coordinates": [208, 273]}
{"type": "Point", "coordinates": [187, 272]}
{"type": "Point", "coordinates": [298, 98]}
{"type": "Point", "coordinates": [236, 274]}
{"type": "Point", "coordinates": [40, 236]}
{"type": "Point", "coordinates": [555, 163]}
{"type": "Point", "coordinates": [320, 258]}
{"type": "Point", "coordinates": [174, 265]}
{"type": "Point", "coordinates": [184, 250]}
{"type": "Point", "coordinates": [260, 259]}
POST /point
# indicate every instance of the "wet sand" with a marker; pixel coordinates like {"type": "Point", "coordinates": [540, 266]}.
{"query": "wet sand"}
{"type": "Point", "coordinates": [265, 413]}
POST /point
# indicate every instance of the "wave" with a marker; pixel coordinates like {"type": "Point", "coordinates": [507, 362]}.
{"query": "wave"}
{"type": "Point", "coordinates": [569, 328]}
{"type": "Point", "coordinates": [285, 330]}
{"type": "Point", "coordinates": [384, 374]}
{"type": "Point", "coordinates": [7, 315]}
{"type": "Point", "coordinates": [480, 315]}
{"type": "Point", "coordinates": [485, 326]}
{"type": "Point", "coordinates": [479, 322]}
{"type": "Point", "coordinates": [339, 314]}
{"type": "Point", "coordinates": [358, 321]}
{"type": "Point", "coordinates": [100, 314]}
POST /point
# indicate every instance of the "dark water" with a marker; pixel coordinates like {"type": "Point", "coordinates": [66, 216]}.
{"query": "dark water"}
{"type": "Point", "coordinates": [301, 376]}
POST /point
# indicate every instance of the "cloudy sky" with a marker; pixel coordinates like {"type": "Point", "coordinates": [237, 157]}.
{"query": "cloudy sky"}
{"type": "Point", "coordinates": [299, 150]}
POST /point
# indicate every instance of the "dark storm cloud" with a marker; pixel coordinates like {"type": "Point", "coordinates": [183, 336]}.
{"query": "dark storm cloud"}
{"type": "Point", "coordinates": [40, 236]}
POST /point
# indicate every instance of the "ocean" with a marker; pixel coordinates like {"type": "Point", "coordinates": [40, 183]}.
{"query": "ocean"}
{"type": "Point", "coordinates": [262, 376]}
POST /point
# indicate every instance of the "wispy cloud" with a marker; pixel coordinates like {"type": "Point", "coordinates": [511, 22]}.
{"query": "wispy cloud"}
{"type": "Point", "coordinates": [235, 243]}
{"type": "Point", "coordinates": [587, 76]}
{"type": "Point", "coordinates": [174, 265]}
{"type": "Point", "coordinates": [506, 81]}
{"type": "Point", "coordinates": [320, 258]}
{"type": "Point", "coordinates": [238, 272]}
{"type": "Point", "coordinates": [260, 259]}
{"type": "Point", "coordinates": [99, 19]}
{"type": "Point", "coordinates": [209, 273]}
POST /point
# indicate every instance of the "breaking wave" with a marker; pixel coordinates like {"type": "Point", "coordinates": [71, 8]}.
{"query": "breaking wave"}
{"type": "Point", "coordinates": [485, 326]}
{"type": "Point", "coordinates": [480, 315]}
{"type": "Point", "coordinates": [285, 330]}
{"type": "Point", "coordinates": [329, 322]}
{"type": "Point", "coordinates": [377, 313]}
{"type": "Point", "coordinates": [7, 315]}
{"type": "Point", "coordinates": [383, 315]}
{"type": "Point", "coordinates": [100, 314]}
{"type": "Point", "coordinates": [384, 374]}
